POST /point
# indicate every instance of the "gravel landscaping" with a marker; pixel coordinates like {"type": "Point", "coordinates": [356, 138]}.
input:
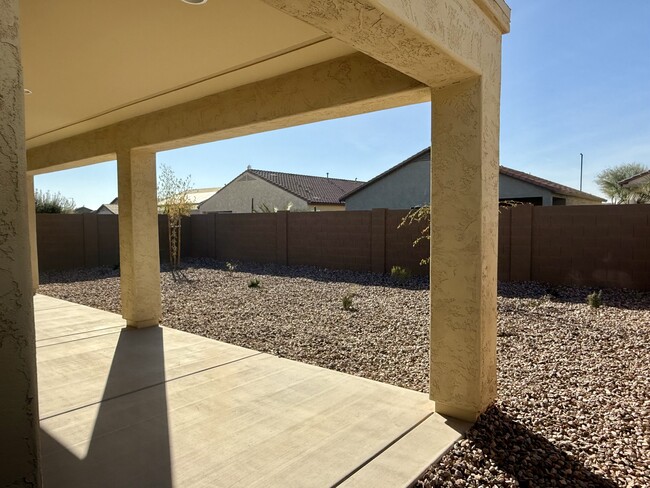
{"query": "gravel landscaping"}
{"type": "Point", "coordinates": [573, 405]}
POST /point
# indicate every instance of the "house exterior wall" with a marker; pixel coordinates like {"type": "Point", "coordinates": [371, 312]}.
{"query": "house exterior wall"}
{"type": "Point", "coordinates": [580, 201]}
{"type": "Point", "coordinates": [104, 211]}
{"type": "Point", "coordinates": [325, 208]}
{"type": "Point", "coordinates": [512, 188]}
{"type": "Point", "coordinates": [236, 197]}
{"type": "Point", "coordinates": [408, 187]}
{"type": "Point", "coordinates": [404, 188]}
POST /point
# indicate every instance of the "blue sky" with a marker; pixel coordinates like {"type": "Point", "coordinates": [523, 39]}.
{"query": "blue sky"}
{"type": "Point", "coordinates": [576, 78]}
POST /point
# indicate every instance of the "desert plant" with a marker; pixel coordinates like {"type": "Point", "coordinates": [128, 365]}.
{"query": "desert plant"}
{"type": "Point", "coordinates": [399, 273]}
{"type": "Point", "coordinates": [173, 200]}
{"type": "Point", "coordinates": [231, 267]}
{"type": "Point", "coordinates": [595, 299]}
{"type": "Point", "coordinates": [254, 283]}
{"type": "Point", "coordinates": [348, 300]}
{"type": "Point", "coordinates": [47, 202]}
{"type": "Point", "coordinates": [416, 215]}
{"type": "Point", "coordinates": [609, 181]}
{"type": "Point", "coordinates": [423, 214]}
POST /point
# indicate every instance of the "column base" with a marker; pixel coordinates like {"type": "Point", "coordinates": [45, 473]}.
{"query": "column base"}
{"type": "Point", "coordinates": [141, 324]}
{"type": "Point", "coordinates": [456, 412]}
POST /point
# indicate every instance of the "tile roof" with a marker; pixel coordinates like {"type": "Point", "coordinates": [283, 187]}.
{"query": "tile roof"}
{"type": "Point", "coordinates": [636, 180]}
{"type": "Point", "coordinates": [513, 173]}
{"type": "Point", "coordinates": [196, 196]}
{"type": "Point", "coordinates": [549, 185]}
{"type": "Point", "coordinates": [313, 189]}
{"type": "Point", "coordinates": [113, 208]}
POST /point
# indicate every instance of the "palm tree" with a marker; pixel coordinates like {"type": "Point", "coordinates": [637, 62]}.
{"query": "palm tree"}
{"type": "Point", "coordinates": [609, 182]}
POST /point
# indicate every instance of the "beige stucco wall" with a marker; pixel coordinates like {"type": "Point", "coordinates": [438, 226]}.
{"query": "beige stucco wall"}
{"type": "Point", "coordinates": [139, 245]}
{"type": "Point", "coordinates": [236, 197]}
{"type": "Point", "coordinates": [19, 458]}
{"type": "Point", "coordinates": [578, 201]}
{"type": "Point", "coordinates": [344, 86]}
{"type": "Point", "coordinates": [327, 208]}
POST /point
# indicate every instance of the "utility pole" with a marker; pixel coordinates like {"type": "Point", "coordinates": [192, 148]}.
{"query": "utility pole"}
{"type": "Point", "coordinates": [581, 160]}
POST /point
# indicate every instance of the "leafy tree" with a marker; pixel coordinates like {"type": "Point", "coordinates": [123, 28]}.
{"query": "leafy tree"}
{"type": "Point", "coordinates": [174, 201]}
{"type": "Point", "coordinates": [609, 182]}
{"type": "Point", "coordinates": [48, 202]}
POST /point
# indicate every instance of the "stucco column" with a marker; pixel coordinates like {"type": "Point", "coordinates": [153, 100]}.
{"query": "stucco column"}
{"type": "Point", "coordinates": [18, 389]}
{"type": "Point", "coordinates": [139, 253]}
{"type": "Point", "coordinates": [464, 223]}
{"type": "Point", "coordinates": [33, 247]}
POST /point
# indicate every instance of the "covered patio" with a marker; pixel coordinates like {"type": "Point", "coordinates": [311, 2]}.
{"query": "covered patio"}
{"type": "Point", "coordinates": [85, 83]}
{"type": "Point", "coordinates": [174, 409]}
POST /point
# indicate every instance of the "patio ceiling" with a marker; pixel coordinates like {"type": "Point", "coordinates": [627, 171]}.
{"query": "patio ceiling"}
{"type": "Point", "coordinates": [89, 65]}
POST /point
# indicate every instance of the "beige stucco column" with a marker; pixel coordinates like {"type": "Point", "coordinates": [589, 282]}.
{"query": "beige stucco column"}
{"type": "Point", "coordinates": [464, 216]}
{"type": "Point", "coordinates": [139, 254]}
{"type": "Point", "coordinates": [19, 456]}
{"type": "Point", "coordinates": [31, 214]}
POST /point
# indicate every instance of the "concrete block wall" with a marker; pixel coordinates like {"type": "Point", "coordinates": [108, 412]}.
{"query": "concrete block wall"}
{"type": "Point", "coordinates": [603, 246]}
{"type": "Point", "coordinates": [330, 240]}
{"type": "Point", "coordinates": [399, 244]}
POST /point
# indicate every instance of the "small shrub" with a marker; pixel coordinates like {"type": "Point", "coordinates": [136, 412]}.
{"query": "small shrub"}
{"type": "Point", "coordinates": [230, 267]}
{"type": "Point", "coordinates": [595, 299]}
{"type": "Point", "coordinates": [348, 300]}
{"type": "Point", "coordinates": [254, 283]}
{"type": "Point", "coordinates": [400, 274]}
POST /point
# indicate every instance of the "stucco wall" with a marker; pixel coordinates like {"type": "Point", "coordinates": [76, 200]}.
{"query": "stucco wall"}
{"type": "Point", "coordinates": [580, 201]}
{"type": "Point", "coordinates": [404, 188]}
{"type": "Point", "coordinates": [236, 197]}
{"type": "Point", "coordinates": [19, 418]}
{"type": "Point", "coordinates": [409, 187]}
{"type": "Point", "coordinates": [512, 188]}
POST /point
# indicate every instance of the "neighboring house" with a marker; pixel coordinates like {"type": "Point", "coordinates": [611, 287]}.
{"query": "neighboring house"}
{"type": "Point", "coordinates": [109, 208]}
{"type": "Point", "coordinates": [636, 181]}
{"type": "Point", "coordinates": [258, 191]}
{"type": "Point", "coordinates": [524, 187]}
{"type": "Point", "coordinates": [83, 210]}
{"type": "Point", "coordinates": [196, 197]}
{"type": "Point", "coordinates": [407, 185]}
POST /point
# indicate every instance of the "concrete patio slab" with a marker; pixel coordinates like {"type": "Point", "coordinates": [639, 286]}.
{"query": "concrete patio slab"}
{"type": "Point", "coordinates": [159, 407]}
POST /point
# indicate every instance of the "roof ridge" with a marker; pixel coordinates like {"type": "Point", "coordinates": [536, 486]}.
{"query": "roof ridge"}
{"type": "Point", "coordinates": [302, 174]}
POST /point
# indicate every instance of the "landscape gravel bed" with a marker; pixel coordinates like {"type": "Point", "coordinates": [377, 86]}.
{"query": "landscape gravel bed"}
{"type": "Point", "coordinates": [573, 405]}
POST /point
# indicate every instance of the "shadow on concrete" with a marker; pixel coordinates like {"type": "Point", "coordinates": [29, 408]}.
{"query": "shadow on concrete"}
{"type": "Point", "coordinates": [529, 458]}
{"type": "Point", "coordinates": [129, 446]}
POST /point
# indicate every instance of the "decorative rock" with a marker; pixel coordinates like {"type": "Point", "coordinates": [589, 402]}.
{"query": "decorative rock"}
{"type": "Point", "coordinates": [574, 383]}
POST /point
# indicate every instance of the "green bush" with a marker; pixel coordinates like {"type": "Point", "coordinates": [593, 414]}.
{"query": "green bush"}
{"type": "Point", "coordinates": [399, 273]}
{"type": "Point", "coordinates": [47, 202]}
{"type": "Point", "coordinates": [231, 267]}
{"type": "Point", "coordinates": [254, 283]}
{"type": "Point", "coordinates": [595, 299]}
